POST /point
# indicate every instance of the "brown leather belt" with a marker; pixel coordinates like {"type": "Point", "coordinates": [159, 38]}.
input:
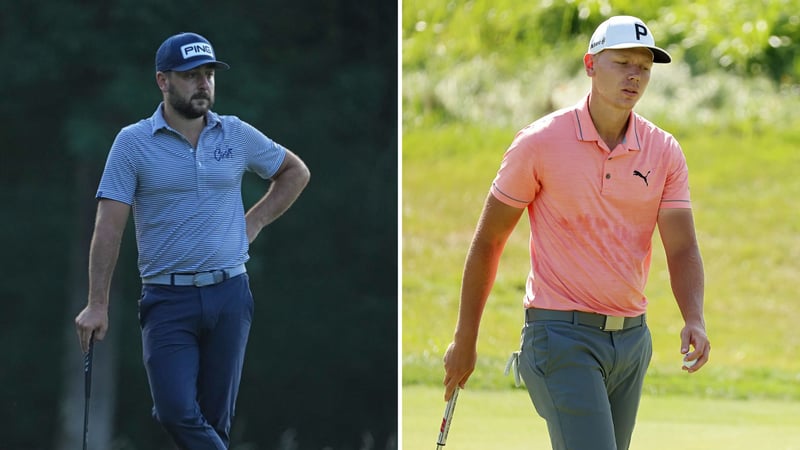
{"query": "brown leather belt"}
{"type": "Point", "coordinates": [598, 321]}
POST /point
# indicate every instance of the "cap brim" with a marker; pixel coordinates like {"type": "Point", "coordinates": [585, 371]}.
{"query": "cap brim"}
{"type": "Point", "coordinates": [193, 64]}
{"type": "Point", "coordinates": [659, 54]}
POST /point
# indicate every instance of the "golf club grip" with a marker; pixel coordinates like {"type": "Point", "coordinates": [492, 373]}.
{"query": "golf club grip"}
{"type": "Point", "coordinates": [87, 378]}
{"type": "Point", "coordinates": [87, 367]}
{"type": "Point", "coordinates": [448, 417]}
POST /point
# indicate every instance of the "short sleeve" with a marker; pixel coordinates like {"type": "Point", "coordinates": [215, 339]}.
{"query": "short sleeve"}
{"type": "Point", "coordinates": [118, 181]}
{"type": "Point", "coordinates": [516, 184]}
{"type": "Point", "coordinates": [264, 156]}
{"type": "Point", "coordinates": [676, 187]}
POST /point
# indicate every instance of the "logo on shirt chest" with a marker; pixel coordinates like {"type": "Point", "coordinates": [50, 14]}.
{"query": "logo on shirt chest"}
{"type": "Point", "coordinates": [220, 154]}
{"type": "Point", "coordinates": [636, 173]}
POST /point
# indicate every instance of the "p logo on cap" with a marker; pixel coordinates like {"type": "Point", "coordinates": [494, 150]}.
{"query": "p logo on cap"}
{"type": "Point", "coordinates": [641, 31]}
{"type": "Point", "coordinates": [185, 51]}
{"type": "Point", "coordinates": [625, 32]}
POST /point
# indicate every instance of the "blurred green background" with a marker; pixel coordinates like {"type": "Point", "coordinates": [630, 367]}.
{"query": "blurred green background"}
{"type": "Point", "coordinates": [319, 77]}
{"type": "Point", "coordinates": [504, 62]}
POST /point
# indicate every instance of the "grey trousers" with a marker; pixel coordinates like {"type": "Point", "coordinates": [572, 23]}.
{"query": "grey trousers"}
{"type": "Point", "coordinates": [586, 383]}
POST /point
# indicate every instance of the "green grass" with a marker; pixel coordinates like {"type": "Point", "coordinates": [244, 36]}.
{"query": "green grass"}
{"type": "Point", "coordinates": [745, 192]}
{"type": "Point", "coordinates": [506, 420]}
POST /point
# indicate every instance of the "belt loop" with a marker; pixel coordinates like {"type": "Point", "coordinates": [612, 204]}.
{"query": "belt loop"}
{"type": "Point", "coordinates": [172, 279]}
{"type": "Point", "coordinates": [575, 318]}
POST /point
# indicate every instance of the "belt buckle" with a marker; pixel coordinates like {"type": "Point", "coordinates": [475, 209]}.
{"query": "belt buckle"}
{"type": "Point", "coordinates": [207, 278]}
{"type": "Point", "coordinates": [614, 323]}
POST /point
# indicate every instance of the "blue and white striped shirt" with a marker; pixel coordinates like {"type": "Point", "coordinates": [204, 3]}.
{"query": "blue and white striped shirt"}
{"type": "Point", "coordinates": [187, 203]}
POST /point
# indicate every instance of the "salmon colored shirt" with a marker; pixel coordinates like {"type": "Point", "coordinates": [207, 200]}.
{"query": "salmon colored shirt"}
{"type": "Point", "coordinates": [592, 210]}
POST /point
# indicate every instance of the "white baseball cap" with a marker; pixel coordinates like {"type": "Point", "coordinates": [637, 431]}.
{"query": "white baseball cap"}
{"type": "Point", "coordinates": [626, 32]}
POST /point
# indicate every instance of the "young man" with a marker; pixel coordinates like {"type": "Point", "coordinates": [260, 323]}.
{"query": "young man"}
{"type": "Point", "coordinates": [596, 180]}
{"type": "Point", "coordinates": [180, 171]}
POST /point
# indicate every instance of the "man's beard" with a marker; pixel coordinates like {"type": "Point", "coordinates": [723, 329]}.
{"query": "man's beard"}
{"type": "Point", "coordinates": [185, 108]}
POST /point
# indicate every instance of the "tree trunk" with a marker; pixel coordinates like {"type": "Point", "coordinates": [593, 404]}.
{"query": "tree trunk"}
{"type": "Point", "coordinates": [103, 386]}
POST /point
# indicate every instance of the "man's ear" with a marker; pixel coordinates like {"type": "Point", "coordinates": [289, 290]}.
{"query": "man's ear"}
{"type": "Point", "coordinates": [588, 64]}
{"type": "Point", "coordinates": [161, 81]}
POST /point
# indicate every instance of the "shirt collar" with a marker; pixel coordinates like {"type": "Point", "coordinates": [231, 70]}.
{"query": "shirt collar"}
{"type": "Point", "coordinates": [159, 123]}
{"type": "Point", "coordinates": [586, 131]}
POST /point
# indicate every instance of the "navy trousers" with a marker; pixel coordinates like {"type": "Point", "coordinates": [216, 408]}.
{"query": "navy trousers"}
{"type": "Point", "coordinates": [584, 382]}
{"type": "Point", "coordinates": [193, 341]}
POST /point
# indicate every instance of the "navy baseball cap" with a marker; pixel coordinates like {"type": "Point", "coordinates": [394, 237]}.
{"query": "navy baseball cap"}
{"type": "Point", "coordinates": [185, 51]}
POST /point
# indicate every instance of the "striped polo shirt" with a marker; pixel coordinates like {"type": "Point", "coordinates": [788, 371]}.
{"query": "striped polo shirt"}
{"type": "Point", "coordinates": [592, 210]}
{"type": "Point", "coordinates": [187, 202]}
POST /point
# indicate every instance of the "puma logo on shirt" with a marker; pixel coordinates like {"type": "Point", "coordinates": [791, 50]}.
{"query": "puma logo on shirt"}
{"type": "Point", "coordinates": [644, 177]}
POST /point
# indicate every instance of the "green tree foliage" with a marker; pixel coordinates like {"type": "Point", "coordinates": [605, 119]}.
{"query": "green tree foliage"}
{"type": "Point", "coordinates": [748, 38]}
{"type": "Point", "coordinates": [319, 77]}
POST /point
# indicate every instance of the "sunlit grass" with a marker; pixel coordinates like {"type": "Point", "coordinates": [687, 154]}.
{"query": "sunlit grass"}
{"type": "Point", "coordinates": [506, 420]}
{"type": "Point", "coordinates": [744, 195]}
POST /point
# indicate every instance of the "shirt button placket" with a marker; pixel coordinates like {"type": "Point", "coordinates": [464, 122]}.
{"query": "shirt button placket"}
{"type": "Point", "coordinates": [199, 155]}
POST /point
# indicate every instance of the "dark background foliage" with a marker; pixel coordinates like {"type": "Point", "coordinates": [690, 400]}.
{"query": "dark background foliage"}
{"type": "Point", "coordinates": [320, 77]}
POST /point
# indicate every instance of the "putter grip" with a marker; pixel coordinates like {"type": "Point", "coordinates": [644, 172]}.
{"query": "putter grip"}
{"type": "Point", "coordinates": [446, 420]}
{"type": "Point", "coordinates": [87, 366]}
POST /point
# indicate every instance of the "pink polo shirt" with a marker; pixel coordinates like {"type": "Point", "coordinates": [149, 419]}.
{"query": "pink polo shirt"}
{"type": "Point", "coordinates": [592, 210]}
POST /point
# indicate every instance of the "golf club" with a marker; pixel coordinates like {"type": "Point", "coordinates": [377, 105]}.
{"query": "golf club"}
{"type": "Point", "coordinates": [448, 416]}
{"type": "Point", "coordinates": [87, 377]}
